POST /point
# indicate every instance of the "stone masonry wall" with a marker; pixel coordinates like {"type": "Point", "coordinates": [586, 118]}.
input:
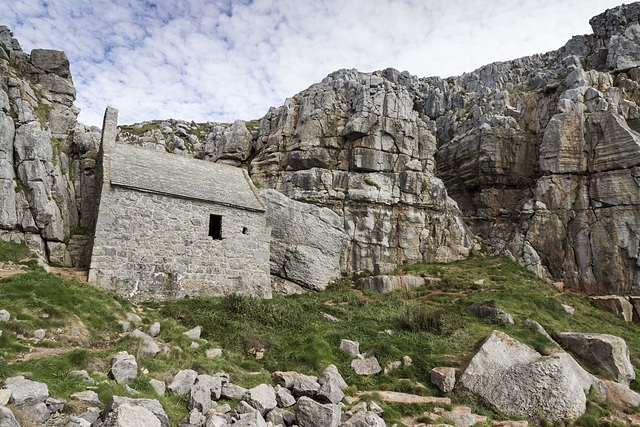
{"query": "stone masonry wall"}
{"type": "Point", "coordinates": [156, 247]}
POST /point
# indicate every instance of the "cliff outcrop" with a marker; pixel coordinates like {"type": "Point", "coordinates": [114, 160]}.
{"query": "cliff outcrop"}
{"type": "Point", "coordinates": [47, 159]}
{"type": "Point", "coordinates": [539, 157]}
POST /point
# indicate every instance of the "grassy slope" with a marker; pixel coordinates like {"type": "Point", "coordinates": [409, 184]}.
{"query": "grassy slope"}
{"type": "Point", "coordinates": [432, 327]}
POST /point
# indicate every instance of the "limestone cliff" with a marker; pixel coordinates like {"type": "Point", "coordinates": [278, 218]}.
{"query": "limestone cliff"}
{"type": "Point", "coordinates": [540, 156]}
{"type": "Point", "coordinates": [47, 159]}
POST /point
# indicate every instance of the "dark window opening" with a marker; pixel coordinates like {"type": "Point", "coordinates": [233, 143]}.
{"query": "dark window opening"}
{"type": "Point", "coordinates": [215, 226]}
{"type": "Point", "coordinates": [245, 230]}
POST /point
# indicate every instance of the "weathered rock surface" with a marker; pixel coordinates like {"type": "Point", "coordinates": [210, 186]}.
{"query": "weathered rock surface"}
{"type": "Point", "coordinates": [368, 366]}
{"type": "Point", "coordinates": [310, 413]}
{"type": "Point", "coordinates": [25, 392]}
{"type": "Point", "coordinates": [606, 351]}
{"type": "Point", "coordinates": [183, 381]}
{"type": "Point", "coordinates": [124, 368]}
{"type": "Point", "coordinates": [7, 419]}
{"type": "Point", "coordinates": [512, 378]}
{"type": "Point", "coordinates": [151, 406]}
{"type": "Point", "coordinates": [385, 284]}
{"type": "Point", "coordinates": [444, 378]}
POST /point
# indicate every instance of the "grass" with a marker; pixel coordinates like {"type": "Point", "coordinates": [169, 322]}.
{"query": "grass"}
{"type": "Point", "coordinates": [368, 181]}
{"type": "Point", "coordinates": [13, 252]}
{"type": "Point", "coordinates": [42, 112]}
{"type": "Point", "coordinates": [431, 324]}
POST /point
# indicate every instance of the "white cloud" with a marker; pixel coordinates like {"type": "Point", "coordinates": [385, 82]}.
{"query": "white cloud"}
{"type": "Point", "coordinates": [211, 60]}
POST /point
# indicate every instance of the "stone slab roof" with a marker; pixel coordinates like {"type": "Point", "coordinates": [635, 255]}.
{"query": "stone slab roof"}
{"type": "Point", "coordinates": [169, 174]}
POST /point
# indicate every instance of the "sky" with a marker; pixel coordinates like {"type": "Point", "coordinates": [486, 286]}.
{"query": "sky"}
{"type": "Point", "coordinates": [222, 60]}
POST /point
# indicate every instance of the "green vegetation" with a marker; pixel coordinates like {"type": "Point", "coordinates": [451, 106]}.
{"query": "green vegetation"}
{"type": "Point", "coordinates": [13, 252]}
{"type": "Point", "coordinates": [253, 125]}
{"type": "Point", "coordinates": [20, 188]}
{"type": "Point", "coordinates": [431, 324]}
{"type": "Point", "coordinates": [42, 112]}
{"type": "Point", "coordinates": [368, 181]}
{"type": "Point", "coordinates": [425, 185]}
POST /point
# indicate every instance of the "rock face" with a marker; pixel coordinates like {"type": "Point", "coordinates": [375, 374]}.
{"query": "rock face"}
{"type": "Point", "coordinates": [47, 159]}
{"type": "Point", "coordinates": [540, 156]}
{"type": "Point", "coordinates": [512, 378]}
{"type": "Point", "coordinates": [607, 351]}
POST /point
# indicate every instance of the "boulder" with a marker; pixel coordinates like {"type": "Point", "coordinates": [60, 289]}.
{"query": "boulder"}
{"type": "Point", "coordinates": [617, 305]}
{"type": "Point", "coordinates": [25, 392]}
{"type": "Point", "coordinates": [284, 397]}
{"type": "Point", "coordinates": [213, 384]}
{"type": "Point", "coordinates": [331, 374]}
{"type": "Point", "coordinates": [5, 316]}
{"type": "Point", "coordinates": [158, 386]}
{"type": "Point", "coordinates": [199, 398]}
{"type": "Point", "coordinates": [606, 351]}
{"type": "Point", "coordinates": [38, 413]}
{"type": "Point", "coordinates": [305, 385]}
{"type": "Point", "coordinates": [284, 379]}
{"type": "Point", "coordinates": [510, 377]}
{"type": "Point", "coordinates": [262, 398]}
{"type": "Point", "coordinates": [151, 405]}
{"type": "Point", "coordinates": [194, 333]}
{"type": "Point", "coordinates": [55, 405]}
{"type": "Point", "coordinates": [149, 346]}
{"type": "Point", "coordinates": [486, 312]}
{"type": "Point", "coordinates": [350, 347]}
{"type": "Point", "coordinates": [306, 241]}
{"type": "Point", "coordinates": [127, 415]}
{"type": "Point", "coordinates": [124, 368]}
{"type": "Point", "coordinates": [364, 419]}
{"type": "Point", "coordinates": [183, 381]}
{"type": "Point", "coordinates": [280, 416]}
{"type": "Point", "coordinates": [84, 375]}
{"type": "Point", "coordinates": [7, 419]}
{"type": "Point", "coordinates": [252, 419]}
{"type": "Point", "coordinates": [154, 330]}
{"type": "Point", "coordinates": [232, 391]}
{"type": "Point", "coordinates": [88, 396]}
{"type": "Point", "coordinates": [213, 352]}
{"type": "Point", "coordinates": [369, 366]}
{"type": "Point", "coordinates": [329, 392]}
{"type": "Point", "coordinates": [444, 378]}
{"type": "Point", "coordinates": [310, 413]}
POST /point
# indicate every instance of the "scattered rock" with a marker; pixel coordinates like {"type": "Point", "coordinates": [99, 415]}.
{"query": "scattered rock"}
{"type": "Point", "coordinates": [158, 386]}
{"type": "Point", "coordinates": [232, 391]}
{"type": "Point", "coordinates": [39, 333]}
{"type": "Point", "coordinates": [89, 396]}
{"type": "Point", "coordinates": [617, 305]}
{"type": "Point", "coordinates": [391, 366]}
{"type": "Point", "coordinates": [486, 312]}
{"type": "Point", "coordinates": [132, 317]}
{"type": "Point", "coordinates": [127, 415]}
{"type": "Point", "coordinates": [606, 351]}
{"type": "Point", "coordinates": [55, 405]}
{"type": "Point", "coordinates": [364, 419]}
{"type": "Point", "coordinates": [280, 416]}
{"type": "Point", "coordinates": [252, 419]}
{"type": "Point", "coordinates": [194, 345]}
{"type": "Point", "coordinates": [194, 333]}
{"type": "Point", "coordinates": [407, 361]}
{"type": "Point", "coordinates": [305, 385]}
{"type": "Point", "coordinates": [331, 374]}
{"type": "Point", "coordinates": [150, 404]}
{"type": "Point", "coordinates": [394, 396]}
{"type": "Point", "coordinates": [154, 330]}
{"type": "Point", "coordinates": [214, 352]}
{"type": "Point", "coordinates": [149, 346]}
{"type": "Point", "coordinates": [183, 381]}
{"type": "Point", "coordinates": [213, 384]}
{"type": "Point", "coordinates": [310, 413]}
{"type": "Point", "coordinates": [84, 375]}
{"type": "Point", "coordinates": [25, 392]}
{"type": "Point", "coordinates": [5, 316]}
{"type": "Point", "coordinates": [285, 379]}
{"type": "Point", "coordinates": [125, 325]}
{"type": "Point", "coordinates": [444, 378]}
{"type": "Point", "coordinates": [262, 398]}
{"type": "Point", "coordinates": [7, 419]}
{"type": "Point", "coordinates": [38, 413]}
{"type": "Point", "coordinates": [284, 397]}
{"type": "Point", "coordinates": [5, 396]}
{"type": "Point", "coordinates": [124, 368]}
{"type": "Point", "coordinates": [351, 347]}
{"type": "Point", "coordinates": [199, 398]}
{"type": "Point", "coordinates": [369, 366]}
{"type": "Point", "coordinates": [330, 317]}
